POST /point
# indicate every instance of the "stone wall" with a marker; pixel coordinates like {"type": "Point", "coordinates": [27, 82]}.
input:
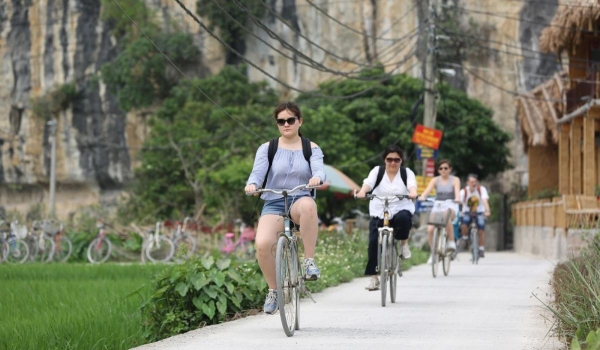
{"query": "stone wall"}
{"type": "Point", "coordinates": [550, 243]}
{"type": "Point", "coordinates": [47, 43]}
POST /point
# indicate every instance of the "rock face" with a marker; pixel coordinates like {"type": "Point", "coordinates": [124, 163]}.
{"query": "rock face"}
{"type": "Point", "coordinates": [47, 43]}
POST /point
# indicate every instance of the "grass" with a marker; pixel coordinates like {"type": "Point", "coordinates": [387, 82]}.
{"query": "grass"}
{"type": "Point", "coordinates": [72, 306]}
{"type": "Point", "coordinates": [576, 283]}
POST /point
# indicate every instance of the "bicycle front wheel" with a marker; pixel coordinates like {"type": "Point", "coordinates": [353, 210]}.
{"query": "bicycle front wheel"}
{"type": "Point", "coordinates": [63, 249]}
{"type": "Point", "coordinates": [383, 268]}
{"type": "Point", "coordinates": [287, 287]}
{"type": "Point", "coordinates": [161, 250]}
{"type": "Point", "coordinates": [18, 252]}
{"type": "Point", "coordinates": [475, 245]}
{"type": "Point", "coordinates": [395, 261]}
{"type": "Point", "coordinates": [447, 258]}
{"type": "Point", "coordinates": [186, 246]}
{"type": "Point", "coordinates": [99, 250]}
{"type": "Point", "coordinates": [435, 258]}
{"type": "Point", "coordinates": [45, 249]}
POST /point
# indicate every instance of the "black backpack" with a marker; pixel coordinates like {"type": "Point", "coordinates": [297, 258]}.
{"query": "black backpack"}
{"type": "Point", "coordinates": [273, 145]}
{"type": "Point", "coordinates": [380, 174]}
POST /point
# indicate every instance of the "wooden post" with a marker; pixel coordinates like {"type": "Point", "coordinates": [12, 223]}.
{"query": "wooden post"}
{"type": "Point", "coordinates": [563, 160]}
{"type": "Point", "coordinates": [576, 126]}
{"type": "Point", "coordinates": [589, 159]}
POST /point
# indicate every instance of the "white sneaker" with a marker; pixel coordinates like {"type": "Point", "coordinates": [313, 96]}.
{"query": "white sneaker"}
{"type": "Point", "coordinates": [451, 246]}
{"type": "Point", "coordinates": [405, 252]}
{"type": "Point", "coordinates": [373, 284]}
{"type": "Point", "coordinates": [430, 260]}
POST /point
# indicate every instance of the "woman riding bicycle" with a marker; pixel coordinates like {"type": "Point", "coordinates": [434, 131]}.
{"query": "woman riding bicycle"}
{"type": "Point", "coordinates": [289, 169]}
{"type": "Point", "coordinates": [447, 189]}
{"type": "Point", "coordinates": [395, 181]}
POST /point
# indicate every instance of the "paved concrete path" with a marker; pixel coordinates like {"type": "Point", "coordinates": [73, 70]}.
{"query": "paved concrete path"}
{"type": "Point", "coordinates": [489, 306]}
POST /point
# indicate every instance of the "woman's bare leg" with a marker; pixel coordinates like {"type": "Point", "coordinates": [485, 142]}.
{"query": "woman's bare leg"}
{"type": "Point", "coordinates": [266, 236]}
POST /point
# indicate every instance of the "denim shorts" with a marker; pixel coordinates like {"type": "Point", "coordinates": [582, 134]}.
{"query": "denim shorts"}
{"type": "Point", "coordinates": [276, 206]}
{"type": "Point", "coordinates": [466, 220]}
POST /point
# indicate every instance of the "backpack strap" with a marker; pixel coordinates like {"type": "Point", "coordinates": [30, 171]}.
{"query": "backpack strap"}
{"type": "Point", "coordinates": [380, 173]}
{"type": "Point", "coordinates": [307, 151]}
{"type": "Point", "coordinates": [273, 144]}
{"type": "Point", "coordinates": [404, 176]}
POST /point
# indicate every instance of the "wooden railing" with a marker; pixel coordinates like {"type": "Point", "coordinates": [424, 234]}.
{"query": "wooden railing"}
{"type": "Point", "coordinates": [568, 211]}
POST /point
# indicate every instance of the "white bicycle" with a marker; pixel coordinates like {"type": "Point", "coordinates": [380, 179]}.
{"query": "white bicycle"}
{"type": "Point", "coordinates": [158, 247]}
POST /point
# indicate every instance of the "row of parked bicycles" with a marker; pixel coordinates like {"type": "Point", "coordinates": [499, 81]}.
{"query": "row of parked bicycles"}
{"type": "Point", "coordinates": [45, 241]}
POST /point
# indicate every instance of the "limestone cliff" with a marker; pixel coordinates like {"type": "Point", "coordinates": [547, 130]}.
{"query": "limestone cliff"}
{"type": "Point", "coordinates": [46, 43]}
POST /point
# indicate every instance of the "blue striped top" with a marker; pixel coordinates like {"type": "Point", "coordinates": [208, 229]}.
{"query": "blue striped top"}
{"type": "Point", "coordinates": [289, 169]}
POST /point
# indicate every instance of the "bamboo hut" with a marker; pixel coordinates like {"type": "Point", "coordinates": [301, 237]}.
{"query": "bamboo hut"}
{"type": "Point", "coordinates": [560, 119]}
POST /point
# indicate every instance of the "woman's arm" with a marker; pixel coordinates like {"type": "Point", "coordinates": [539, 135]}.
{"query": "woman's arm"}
{"type": "Point", "coordinates": [316, 165]}
{"type": "Point", "coordinates": [432, 183]}
{"type": "Point", "coordinates": [261, 164]}
{"type": "Point", "coordinates": [456, 189]}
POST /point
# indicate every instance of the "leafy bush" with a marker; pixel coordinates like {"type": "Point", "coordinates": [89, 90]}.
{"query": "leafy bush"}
{"type": "Point", "coordinates": [576, 286]}
{"type": "Point", "coordinates": [201, 292]}
{"type": "Point", "coordinates": [592, 342]}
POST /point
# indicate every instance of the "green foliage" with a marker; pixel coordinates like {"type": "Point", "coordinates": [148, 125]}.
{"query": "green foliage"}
{"type": "Point", "coordinates": [121, 25]}
{"type": "Point", "coordinates": [592, 342]}
{"type": "Point", "coordinates": [139, 75]}
{"type": "Point", "coordinates": [72, 306]}
{"type": "Point", "coordinates": [547, 193]}
{"type": "Point", "coordinates": [229, 31]}
{"type": "Point", "coordinates": [198, 292]}
{"type": "Point", "coordinates": [196, 155]}
{"type": "Point", "coordinates": [54, 101]}
{"type": "Point", "coordinates": [576, 306]}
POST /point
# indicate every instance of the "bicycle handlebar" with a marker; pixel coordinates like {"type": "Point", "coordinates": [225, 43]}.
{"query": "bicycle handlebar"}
{"type": "Point", "coordinates": [281, 191]}
{"type": "Point", "coordinates": [371, 196]}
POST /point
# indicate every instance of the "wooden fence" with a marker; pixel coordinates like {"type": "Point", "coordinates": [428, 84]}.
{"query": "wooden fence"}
{"type": "Point", "coordinates": [568, 211]}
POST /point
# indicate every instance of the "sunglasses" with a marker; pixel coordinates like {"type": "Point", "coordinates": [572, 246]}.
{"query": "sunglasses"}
{"type": "Point", "coordinates": [443, 168]}
{"type": "Point", "coordinates": [393, 160]}
{"type": "Point", "coordinates": [290, 121]}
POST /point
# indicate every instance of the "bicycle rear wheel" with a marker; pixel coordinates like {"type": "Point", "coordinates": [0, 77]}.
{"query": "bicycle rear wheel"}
{"type": "Point", "coordinates": [287, 288]}
{"type": "Point", "coordinates": [45, 249]}
{"type": "Point", "coordinates": [99, 250]}
{"type": "Point", "coordinates": [394, 274]}
{"type": "Point", "coordinates": [474, 245]}
{"type": "Point", "coordinates": [447, 258]}
{"type": "Point", "coordinates": [18, 251]}
{"type": "Point", "coordinates": [161, 250]}
{"type": "Point", "coordinates": [63, 249]}
{"type": "Point", "coordinates": [435, 259]}
{"type": "Point", "coordinates": [383, 268]}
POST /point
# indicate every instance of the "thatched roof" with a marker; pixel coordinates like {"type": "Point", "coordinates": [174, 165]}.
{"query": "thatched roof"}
{"type": "Point", "coordinates": [539, 110]}
{"type": "Point", "coordinates": [568, 25]}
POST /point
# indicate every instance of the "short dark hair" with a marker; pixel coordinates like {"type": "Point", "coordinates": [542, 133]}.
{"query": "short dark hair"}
{"type": "Point", "coordinates": [392, 149]}
{"type": "Point", "coordinates": [474, 176]}
{"type": "Point", "coordinates": [444, 161]}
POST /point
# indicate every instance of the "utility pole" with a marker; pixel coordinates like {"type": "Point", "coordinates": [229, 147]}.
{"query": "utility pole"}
{"type": "Point", "coordinates": [52, 126]}
{"type": "Point", "coordinates": [430, 101]}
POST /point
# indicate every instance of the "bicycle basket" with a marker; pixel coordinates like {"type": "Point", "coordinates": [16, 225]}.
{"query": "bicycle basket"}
{"type": "Point", "coordinates": [20, 231]}
{"type": "Point", "coordinates": [439, 215]}
{"type": "Point", "coordinates": [50, 228]}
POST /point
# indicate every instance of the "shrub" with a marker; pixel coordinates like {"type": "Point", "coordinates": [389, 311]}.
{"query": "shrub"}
{"type": "Point", "coordinates": [200, 292]}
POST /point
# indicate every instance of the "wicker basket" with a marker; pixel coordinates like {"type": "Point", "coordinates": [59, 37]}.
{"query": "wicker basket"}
{"type": "Point", "coordinates": [440, 214]}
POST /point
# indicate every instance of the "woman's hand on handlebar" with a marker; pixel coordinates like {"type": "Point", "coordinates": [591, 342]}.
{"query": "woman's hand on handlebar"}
{"type": "Point", "coordinates": [315, 182]}
{"type": "Point", "coordinates": [359, 194]}
{"type": "Point", "coordinates": [250, 189]}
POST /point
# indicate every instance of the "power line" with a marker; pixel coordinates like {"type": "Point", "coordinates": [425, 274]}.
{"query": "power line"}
{"type": "Point", "coordinates": [350, 28]}
{"type": "Point", "coordinates": [183, 74]}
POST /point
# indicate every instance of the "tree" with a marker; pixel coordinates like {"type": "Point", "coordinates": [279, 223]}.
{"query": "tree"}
{"type": "Point", "coordinates": [197, 157]}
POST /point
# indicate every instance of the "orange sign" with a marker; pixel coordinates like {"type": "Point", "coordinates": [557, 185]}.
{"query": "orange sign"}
{"type": "Point", "coordinates": [427, 137]}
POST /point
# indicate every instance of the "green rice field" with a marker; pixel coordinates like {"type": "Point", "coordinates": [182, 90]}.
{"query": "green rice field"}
{"type": "Point", "coordinates": [72, 306]}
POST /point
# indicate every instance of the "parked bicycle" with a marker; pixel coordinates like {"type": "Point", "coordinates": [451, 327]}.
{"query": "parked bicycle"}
{"type": "Point", "coordinates": [438, 217]}
{"type": "Point", "coordinates": [63, 248]}
{"type": "Point", "coordinates": [389, 265]}
{"type": "Point", "coordinates": [158, 248]}
{"type": "Point", "coordinates": [41, 246]}
{"type": "Point", "coordinates": [183, 240]}
{"type": "Point", "coordinates": [243, 247]}
{"type": "Point", "coordinates": [12, 247]}
{"type": "Point", "coordinates": [100, 248]}
{"type": "Point", "coordinates": [288, 269]}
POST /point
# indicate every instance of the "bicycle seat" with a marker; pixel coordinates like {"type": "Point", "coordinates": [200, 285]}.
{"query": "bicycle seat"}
{"type": "Point", "coordinates": [229, 235]}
